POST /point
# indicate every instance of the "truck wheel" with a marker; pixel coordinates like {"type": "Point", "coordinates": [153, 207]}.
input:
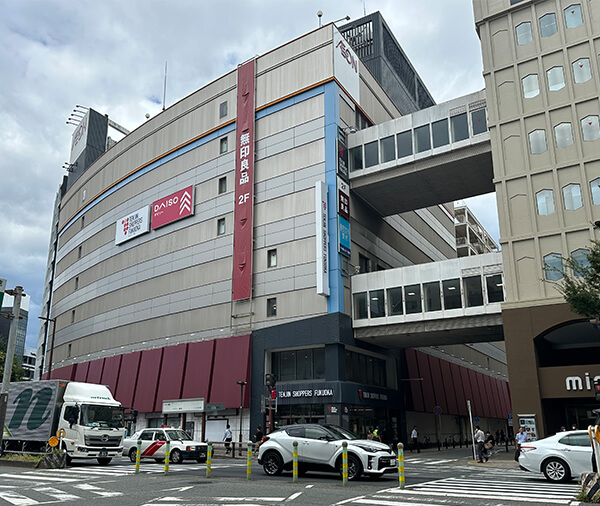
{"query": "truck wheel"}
{"type": "Point", "coordinates": [175, 457]}
{"type": "Point", "coordinates": [104, 461]}
{"type": "Point", "coordinates": [132, 454]}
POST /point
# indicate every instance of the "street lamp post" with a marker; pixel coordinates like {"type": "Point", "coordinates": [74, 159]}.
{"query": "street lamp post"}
{"type": "Point", "coordinates": [242, 384]}
{"type": "Point", "coordinates": [53, 320]}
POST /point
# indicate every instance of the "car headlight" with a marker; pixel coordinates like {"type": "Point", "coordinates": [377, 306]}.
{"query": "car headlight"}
{"type": "Point", "coordinates": [367, 448]}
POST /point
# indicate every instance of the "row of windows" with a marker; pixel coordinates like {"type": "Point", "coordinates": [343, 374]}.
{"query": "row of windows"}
{"type": "Point", "coordinates": [298, 364]}
{"type": "Point", "coordinates": [563, 134]}
{"type": "Point", "coordinates": [365, 369]}
{"type": "Point", "coordinates": [553, 264]}
{"type": "Point", "coordinates": [548, 24]}
{"type": "Point", "coordinates": [582, 72]}
{"type": "Point", "coordinates": [420, 139]}
{"type": "Point", "coordinates": [572, 198]}
{"type": "Point", "coordinates": [434, 296]}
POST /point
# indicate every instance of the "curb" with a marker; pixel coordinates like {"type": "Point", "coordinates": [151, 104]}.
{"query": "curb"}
{"type": "Point", "coordinates": [17, 463]}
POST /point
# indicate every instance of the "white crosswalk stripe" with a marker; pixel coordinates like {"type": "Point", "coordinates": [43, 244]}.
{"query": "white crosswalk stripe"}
{"type": "Point", "coordinates": [429, 462]}
{"type": "Point", "coordinates": [485, 489]}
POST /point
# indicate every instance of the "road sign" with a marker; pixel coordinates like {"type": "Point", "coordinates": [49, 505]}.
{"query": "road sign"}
{"type": "Point", "coordinates": [476, 419]}
{"type": "Point", "coordinates": [212, 407]}
{"type": "Point", "coordinates": [510, 416]}
{"type": "Point", "coordinates": [437, 410]}
{"type": "Point", "coordinates": [53, 441]}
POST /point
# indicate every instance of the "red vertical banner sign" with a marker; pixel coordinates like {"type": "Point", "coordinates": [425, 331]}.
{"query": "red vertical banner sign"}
{"type": "Point", "coordinates": [244, 183]}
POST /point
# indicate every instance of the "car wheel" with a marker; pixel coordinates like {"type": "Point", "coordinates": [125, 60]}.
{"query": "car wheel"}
{"type": "Point", "coordinates": [272, 463]}
{"type": "Point", "coordinates": [354, 467]}
{"type": "Point", "coordinates": [556, 470]}
{"type": "Point", "coordinates": [175, 457]}
{"type": "Point", "coordinates": [132, 454]}
{"type": "Point", "coordinates": [104, 461]}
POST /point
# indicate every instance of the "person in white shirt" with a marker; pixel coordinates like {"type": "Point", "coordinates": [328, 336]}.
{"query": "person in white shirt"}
{"type": "Point", "coordinates": [227, 437]}
{"type": "Point", "coordinates": [520, 438]}
{"type": "Point", "coordinates": [480, 441]}
{"type": "Point", "coordinates": [414, 436]}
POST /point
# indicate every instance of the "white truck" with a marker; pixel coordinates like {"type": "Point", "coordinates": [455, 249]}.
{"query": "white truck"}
{"type": "Point", "coordinates": [91, 418]}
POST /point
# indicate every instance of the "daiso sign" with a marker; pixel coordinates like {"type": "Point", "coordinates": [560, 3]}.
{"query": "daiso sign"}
{"type": "Point", "coordinates": [173, 207]}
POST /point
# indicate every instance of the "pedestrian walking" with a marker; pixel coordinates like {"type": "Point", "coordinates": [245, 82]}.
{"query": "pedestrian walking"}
{"type": "Point", "coordinates": [227, 437]}
{"type": "Point", "coordinates": [258, 436]}
{"type": "Point", "coordinates": [414, 437]}
{"type": "Point", "coordinates": [520, 438]}
{"type": "Point", "coordinates": [376, 436]}
{"type": "Point", "coordinates": [489, 445]}
{"type": "Point", "coordinates": [480, 442]}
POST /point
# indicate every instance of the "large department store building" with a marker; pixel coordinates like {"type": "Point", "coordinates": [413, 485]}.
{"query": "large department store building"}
{"type": "Point", "coordinates": [235, 236]}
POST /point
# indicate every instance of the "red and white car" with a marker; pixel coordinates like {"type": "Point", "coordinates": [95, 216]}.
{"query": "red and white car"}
{"type": "Point", "coordinates": [154, 445]}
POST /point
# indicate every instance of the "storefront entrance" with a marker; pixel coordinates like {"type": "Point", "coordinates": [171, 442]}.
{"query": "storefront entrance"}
{"type": "Point", "coordinates": [300, 413]}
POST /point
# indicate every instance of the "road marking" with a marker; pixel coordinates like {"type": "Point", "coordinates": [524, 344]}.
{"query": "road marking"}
{"type": "Point", "coordinates": [61, 495]}
{"type": "Point", "coordinates": [246, 499]}
{"type": "Point", "coordinates": [350, 500]}
{"type": "Point", "coordinates": [16, 499]}
{"type": "Point", "coordinates": [379, 502]}
{"type": "Point", "coordinates": [309, 486]}
{"type": "Point", "coordinates": [179, 489]}
{"type": "Point", "coordinates": [97, 490]}
{"type": "Point", "coordinates": [38, 477]}
{"type": "Point", "coordinates": [293, 496]}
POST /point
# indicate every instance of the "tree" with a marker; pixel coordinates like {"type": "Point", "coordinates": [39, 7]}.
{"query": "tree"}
{"type": "Point", "coordinates": [17, 373]}
{"type": "Point", "coordinates": [580, 285]}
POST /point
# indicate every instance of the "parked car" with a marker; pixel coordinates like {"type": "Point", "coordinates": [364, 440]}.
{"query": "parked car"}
{"type": "Point", "coordinates": [561, 457]}
{"type": "Point", "coordinates": [183, 447]}
{"type": "Point", "coordinates": [320, 449]}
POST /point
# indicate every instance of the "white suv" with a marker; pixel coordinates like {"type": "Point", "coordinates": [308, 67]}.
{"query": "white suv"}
{"type": "Point", "coordinates": [154, 441]}
{"type": "Point", "coordinates": [320, 449]}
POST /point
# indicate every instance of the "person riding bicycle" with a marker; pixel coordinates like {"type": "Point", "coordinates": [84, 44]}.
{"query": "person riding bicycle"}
{"type": "Point", "coordinates": [488, 445]}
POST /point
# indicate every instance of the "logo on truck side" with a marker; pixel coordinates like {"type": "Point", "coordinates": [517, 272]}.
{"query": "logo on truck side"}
{"type": "Point", "coordinates": [38, 414]}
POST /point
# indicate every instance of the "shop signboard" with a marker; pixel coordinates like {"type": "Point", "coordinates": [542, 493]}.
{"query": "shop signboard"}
{"type": "Point", "coordinates": [346, 65]}
{"type": "Point", "coordinates": [343, 198]}
{"type": "Point", "coordinates": [528, 422]}
{"type": "Point", "coordinates": [132, 225]}
{"type": "Point", "coordinates": [308, 393]}
{"type": "Point", "coordinates": [342, 155]}
{"type": "Point", "coordinates": [322, 235]}
{"type": "Point", "coordinates": [173, 207]}
{"type": "Point", "coordinates": [344, 239]}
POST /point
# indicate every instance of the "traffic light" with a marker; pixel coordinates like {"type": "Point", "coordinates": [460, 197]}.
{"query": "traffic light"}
{"type": "Point", "coordinates": [597, 389]}
{"type": "Point", "coordinates": [274, 394]}
{"type": "Point", "coordinates": [270, 380]}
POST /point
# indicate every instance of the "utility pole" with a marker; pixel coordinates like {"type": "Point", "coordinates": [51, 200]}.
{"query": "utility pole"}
{"type": "Point", "coordinates": [17, 293]}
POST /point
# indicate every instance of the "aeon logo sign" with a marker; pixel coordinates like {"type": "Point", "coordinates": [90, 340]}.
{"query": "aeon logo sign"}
{"type": "Point", "coordinates": [347, 55]}
{"type": "Point", "coordinates": [173, 207]}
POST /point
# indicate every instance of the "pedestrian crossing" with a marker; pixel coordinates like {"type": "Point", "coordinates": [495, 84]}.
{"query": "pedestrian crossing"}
{"type": "Point", "coordinates": [429, 462]}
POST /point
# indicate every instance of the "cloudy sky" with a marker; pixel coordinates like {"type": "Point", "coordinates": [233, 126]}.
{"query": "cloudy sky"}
{"type": "Point", "coordinates": [110, 55]}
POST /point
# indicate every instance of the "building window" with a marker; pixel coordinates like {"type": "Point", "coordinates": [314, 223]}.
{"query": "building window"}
{"type": "Point", "coordinates": [524, 34]}
{"type": "Point", "coordinates": [223, 109]}
{"type": "Point", "coordinates": [220, 226]}
{"type": "Point", "coordinates": [365, 369]}
{"type": "Point", "coordinates": [595, 189]}
{"type": "Point", "coordinates": [432, 297]}
{"type": "Point", "coordinates": [548, 25]}
{"type": "Point", "coordinates": [69, 350]}
{"type": "Point", "coordinates": [79, 252]}
{"type": "Point", "coordinates": [222, 185]}
{"type": "Point", "coordinates": [572, 197]}
{"type": "Point", "coordinates": [495, 292]}
{"type": "Point", "coordinates": [473, 291]}
{"type": "Point", "coordinates": [272, 258]}
{"type": "Point", "coordinates": [439, 129]}
{"type": "Point", "coordinates": [360, 306]}
{"type": "Point", "coordinates": [581, 261]}
{"type": "Point", "coordinates": [590, 128]}
{"type": "Point", "coordinates": [83, 221]}
{"type": "Point", "coordinates": [537, 142]}
{"type": "Point", "coordinates": [531, 87]}
{"type": "Point", "coordinates": [271, 307]}
{"type": "Point", "coordinates": [452, 297]}
{"type": "Point", "coordinates": [404, 144]}
{"type": "Point", "coordinates": [581, 70]}
{"type": "Point", "coordinates": [563, 134]}
{"type": "Point", "coordinates": [299, 364]}
{"type": "Point", "coordinates": [556, 78]}
{"type": "Point", "coordinates": [76, 282]}
{"type": "Point", "coordinates": [356, 159]}
{"type": "Point", "coordinates": [459, 126]}
{"type": "Point", "coordinates": [545, 202]}
{"type": "Point", "coordinates": [73, 316]}
{"type": "Point", "coordinates": [479, 121]}
{"type": "Point", "coordinates": [394, 300]}
{"type": "Point", "coordinates": [573, 17]}
{"type": "Point", "coordinates": [388, 150]}
{"type": "Point", "coordinates": [412, 296]}
{"type": "Point", "coordinates": [377, 304]}
{"type": "Point", "coordinates": [223, 145]}
{"type": "Point", "coordinates": [371, 154]}
{"type": "Point", "coordinates": [422, 139]}
{"type": "Point", "coordinates": [553, 267]}
{"type": "Point", "coordinates": [364, 265]}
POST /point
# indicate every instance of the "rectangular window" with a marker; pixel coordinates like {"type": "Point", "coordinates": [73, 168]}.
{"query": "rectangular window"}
{"type": "Point", "coordinates": [473, 291]}
{"type": "Point", "coordinates": [377, 303]}
{"type": "Point", "coordinates": [223, 145]}
{"type": "Point", "coordinates": [371, 154]}
{"type": "Point", "coordinates": [479, 120]}
{"type": "Point", "coordinates": [271, 307]}
{"type": "Point", "coordinates": [433, 299]}
{"type": "Point", "coordinates": [405, 147]}
{"type": "Point", "coordinates": [223, 109]}
{"type": "Point", "coordinates": [459, 126]}
{"type": "Point", "coordinates": [304, 364]}
{"type": "Point", "coordinates": [220, 226]}
{"type": "Point", "coordinates": [76, 282]}
{"type": "Point", "coordinates": [69, 350]}
{"type": "Point", "coordinates": [363, 264]}
{"type": "Point", "coordinates": [394, 299]}
{"type": "Point", "coordinates": [287, 366]}
{"type": "Point", "coordinates": [79, 252]}
{"type": "Point", "coordinates": [439, 130]}
{"type": "Point", "coordinates": [83, 221]}
{"type": "Point", "coordinates": [360, 306]}
{"type": "Point", "coordinates": [272, 258]}
{"type": "Point", "coordinates": [452, 298]}
{"type": "Point", "coordinates": [494, 288]}
{"type": "Point", "coordinates": [356, 159]}
{"type": "Point", "coordinates": [412, 296]}
{"type": "Point", "coordinates": [222, 185]}
{"type": "Point", "coordinates": [422, 139]}
{"type": "Point", "coordinates": [319, 363]}
{"type": "Point", "coordinates": [73, 316]}
{"type": "Point", "coordinates": [388, 150]}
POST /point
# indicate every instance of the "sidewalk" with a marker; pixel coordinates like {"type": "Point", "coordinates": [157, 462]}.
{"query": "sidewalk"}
{"type": "Point", "coordinates": [501, 458]}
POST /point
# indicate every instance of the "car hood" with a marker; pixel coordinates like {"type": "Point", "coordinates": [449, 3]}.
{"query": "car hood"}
{"type": "Point", "coordinates": [369, 442]}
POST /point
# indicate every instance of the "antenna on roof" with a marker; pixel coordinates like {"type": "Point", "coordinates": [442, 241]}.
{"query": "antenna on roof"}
{"type": "Point", "coordinates": [364, 8]}
{"type": "Point", "coordinates": [165, 87]}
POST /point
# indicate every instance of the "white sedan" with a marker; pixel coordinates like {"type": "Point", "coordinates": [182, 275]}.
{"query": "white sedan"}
{"type": "Point", "coordinates": [153, 445]}
{"type": "Point", "coordinates": [561, 457]}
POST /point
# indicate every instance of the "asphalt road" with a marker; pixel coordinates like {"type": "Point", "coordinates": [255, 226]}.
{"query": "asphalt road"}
{"type": "Point", "coordinates": [432, 478]}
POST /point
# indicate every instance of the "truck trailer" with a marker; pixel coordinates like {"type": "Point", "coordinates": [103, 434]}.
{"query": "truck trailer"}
{"type": "Point", "coordinates": [91, 418]}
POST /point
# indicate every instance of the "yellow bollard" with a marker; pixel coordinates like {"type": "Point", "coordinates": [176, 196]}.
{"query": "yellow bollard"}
{"type": "Point", "coordinates": [208, 460]}
{"type": "Point", "coordinates": [167, 457]}
{"type": "Point", "coordinates": [137, 457]}
{"type": "Point", "coordinates": [295, 463]}
{"type": "Point", "coordinates": [344, 463]}
{"type": "Point", "coordinates": [400, 465]}
{"type": "Point", "coordinates": [249, 461]}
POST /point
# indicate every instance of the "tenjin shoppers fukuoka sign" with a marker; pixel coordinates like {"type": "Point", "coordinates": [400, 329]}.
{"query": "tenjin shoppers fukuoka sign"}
{"type": "Point", "coordinates": [244, 183]}
{"type": "Point", "coordinates": [133, 225]}
{"type": "Point", "coordinates": [173, 207]}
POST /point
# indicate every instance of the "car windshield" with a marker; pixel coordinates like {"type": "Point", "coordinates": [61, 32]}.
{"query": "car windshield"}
{"type": "Point", "coordinates": [177, 434]}
{"type": "Point", "coordinates": [93, 415]}
{"type": "Point", "coordinates": [340, 432]}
